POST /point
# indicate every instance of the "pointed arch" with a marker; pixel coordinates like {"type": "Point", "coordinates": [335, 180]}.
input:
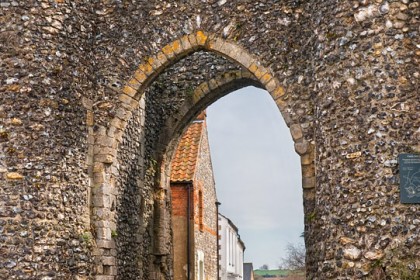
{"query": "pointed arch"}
{"type": "Point", "coordinates": [145, 74]}
{"type": "Point", "coordinates": [106, 140]}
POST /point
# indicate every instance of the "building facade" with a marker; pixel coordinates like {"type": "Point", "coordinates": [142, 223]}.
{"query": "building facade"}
{"type": "Point", "coordinates": [194, 211]}
{"type": "Point", "coordinates": [231, 251]}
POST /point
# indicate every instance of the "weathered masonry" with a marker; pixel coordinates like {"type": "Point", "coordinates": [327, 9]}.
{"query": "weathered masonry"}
{"type": "Point", "coordinates": [94, 97]}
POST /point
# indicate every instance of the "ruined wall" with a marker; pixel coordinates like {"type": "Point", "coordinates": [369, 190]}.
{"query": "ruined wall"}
{"type": "Point", "coordinates": [350, 74]}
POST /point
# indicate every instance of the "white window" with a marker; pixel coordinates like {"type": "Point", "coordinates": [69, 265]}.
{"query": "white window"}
{"type": "Point", "coordinates": [201, 270]}
{"type": "Point", "coordinates": [200, 265]}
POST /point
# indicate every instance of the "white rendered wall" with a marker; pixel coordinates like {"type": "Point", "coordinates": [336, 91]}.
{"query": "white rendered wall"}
{"type": "Point", "coordinates": [231, 251]}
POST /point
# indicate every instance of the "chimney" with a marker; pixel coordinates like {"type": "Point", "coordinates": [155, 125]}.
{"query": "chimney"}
{"type": "Point", "coordinates": [201, 116]}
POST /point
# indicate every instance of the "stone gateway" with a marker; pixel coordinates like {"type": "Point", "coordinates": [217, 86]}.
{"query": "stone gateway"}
{"type": "Point", "coordinates": [94, 96]}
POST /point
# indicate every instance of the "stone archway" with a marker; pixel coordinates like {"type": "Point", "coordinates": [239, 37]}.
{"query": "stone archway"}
{"type": "Point", "coordinates": [107, 140]}
{"type": "Point", "coordinates": [349, 67]}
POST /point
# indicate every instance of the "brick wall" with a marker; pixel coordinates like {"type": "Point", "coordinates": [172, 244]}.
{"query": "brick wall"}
{"type": "Point", "coordinates": [179, 194]}
{"type": "Point", "coordinates": [180, 229]}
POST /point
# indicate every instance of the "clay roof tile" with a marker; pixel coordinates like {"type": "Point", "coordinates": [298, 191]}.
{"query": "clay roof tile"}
{"type": "Point", "coordinates": [186, 154]}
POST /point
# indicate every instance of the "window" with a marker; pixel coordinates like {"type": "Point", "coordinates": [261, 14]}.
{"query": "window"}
{"type": "Point", "coordinates": [201, 270]}
{"type": "Point", "coordinates": [200, 265]}
{"type": "Point", "coordinates": [200, 210]}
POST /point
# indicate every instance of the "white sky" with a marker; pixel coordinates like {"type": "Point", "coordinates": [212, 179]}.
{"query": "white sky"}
{"type": "Point", "coordinates": [257, 173]}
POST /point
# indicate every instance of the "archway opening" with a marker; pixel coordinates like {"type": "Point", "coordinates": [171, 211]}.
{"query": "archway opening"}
{"type": "Point", "coordinates": [260, 187]}
{"type": "Point", "coordinates": [257, 173]}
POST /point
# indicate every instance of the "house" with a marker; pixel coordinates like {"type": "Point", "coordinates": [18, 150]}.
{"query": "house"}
{"type": "Point", "coordinates": [194, 209]}
{"type": "Point", "coordinates": [231, 250]}
{"type": "Point", "coordinates": [248, 271]}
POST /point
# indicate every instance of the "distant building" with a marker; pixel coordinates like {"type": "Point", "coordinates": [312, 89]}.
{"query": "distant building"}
{"type": "Point", "coordinates": [194, 210]}
{"type": "Point", "coordinates": [231, 251]}
{"type": "Point", "coordinates": [248, 271]}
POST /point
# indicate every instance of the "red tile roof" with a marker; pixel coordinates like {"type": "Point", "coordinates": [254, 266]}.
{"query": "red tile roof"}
{"type": "Point", "coordinates": [185, 159]}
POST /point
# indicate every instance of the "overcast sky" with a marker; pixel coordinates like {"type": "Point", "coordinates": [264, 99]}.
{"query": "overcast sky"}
{"type": "Point", "coordinates": [257, 173]}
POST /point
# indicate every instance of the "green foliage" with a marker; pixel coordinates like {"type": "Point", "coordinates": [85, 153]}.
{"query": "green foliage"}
{"type": "Point", "coordinates": [272, 272]}
{"type": "Point", "coordinates": [331, 36]}
{"type": "Point", "coordinates": [311, 216]}
{"type": "Point", "coordinates": [401, 264]}
{"type": "Point", "coordinates": [114, 233]}
{"type": "Point", "coordinates": [377, 263]}
{"type": "Point", "coordinates": [86, 237]}
{"type": "Point", "coordinates": [264, 267]}
{"type": "Point", "coordinates": [151, 171]}
{"type": "Point", "coordinates": [267, 273]}
{"type": "Point", "coordinates": [189, 91]}
{"type": "Point", "coordinates": [404, 272]}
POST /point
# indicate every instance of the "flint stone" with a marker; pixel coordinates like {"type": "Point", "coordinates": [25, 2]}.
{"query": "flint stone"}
{"type": "Point", "coordinates": [352, 253]}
